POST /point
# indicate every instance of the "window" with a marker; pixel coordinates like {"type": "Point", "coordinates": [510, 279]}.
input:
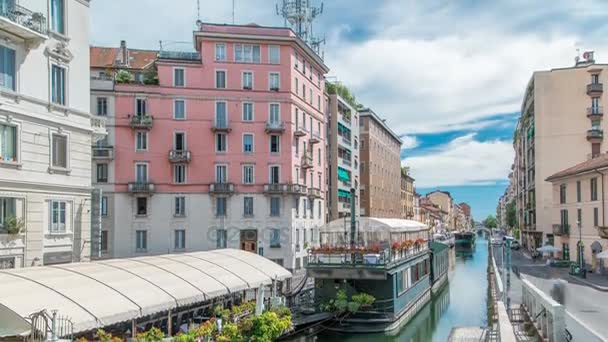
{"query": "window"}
{"type": "Point", "coordinates": [220, 207]}
{"type": "Point", "coordinates": [104, 241]}
{"type": "Point", "coordinates": [304, 66]}
{"type": "Point", "coordinates": [141, 107]}
{"type": "Point", "coordinates": [310, 97]}
{"type": "Point", "coordinates": [247, 206]}
{"type": "Point", "coordinates": [220, 142]}
{"type": "Point", "coordinates": [179, 77]}
{"type": "Point", "coordinates": [319, 207]}
{"type": "Point", "coordinates": [304, 91]}
{"type": "Point", "coordinates": [274, 114]}
{"type": "Point", "coordinates": [319, 79]}
{"type": "Point", "coordinates": [275, 206]}
{"type": "Point", "coordinates": [579, 215]}
{"type": "Point", "coordinates": [180, 239]}
{"type": "Point", "coordinates": [7, 68]}
{"type": "Point", "coordinates": [141, 240]}
{"type": "Point", "coordinates": [179, 109]}
{"type": "Point", "coordinates": [8, 143]}
{"type": "Point", "coordinates": [319, 157]}
{"type": "Point", "coordinates": [57, 16]}
{"type": "Point", "coordinates": [247, 111]}
{"type": "Point", "coordinates": [59, 151]}
{"type": "Point", "coordinates": [58, 85]}
{"type": "Point", "coordinates": [594, 189]}
{"type": "Point", "coordinates": [273, 81]}
{"type": "Point", "coordinates": [141, 141]}
{"type": "Point", "coordinates": [296, 61]}
{"type": "Point", "coordinates": [274, 176]}
{"type": "Point", "coordinates": [179, 174]}
{"type": "Point", "coordinates": [220, 79]}
{"type": "Point", "coordinates": [180, 206]}
{"type": "Point", "coordinates": [274, 54]}
{"type": "Point", "coordinates": [220, 52]}
{"type": "Point", "coordinates": [58, 217]}
{"type": "Point", "coordinates": [102, 106]}
{"type": "Point", "coordinates": [319, 102]}
{"type": "Point", "coordinates": [275, 144]}
{"type": "Point", "coordinates": [142, 206]}
{"type": "Point", "coordinates": [104, 206]}
{"type": "Point", "coordinates": [221, 238]}
{"type": "Point", "coordinates": [596, 217]}
{"type": "Point", "coordinates": [246, 53]}
{"type": "Point", "coordinates": [7, 209]}
{"type": "Point", "coordinates": [562, 193]}
{"type": "Point", "coordinates": [179, 141]}
{"type": "Point", "coordinates": [564, 217]}
{"type": "Point", "coordinates": [221, 174]}
{"type": "Point", "coordinates": [247, 143]}
{"type": "Point", "coordinates": [578, 191]}
{"type": "Point", "coordinates": [221, 115]}
{"type": "Point", "coordinates": [248, 174]}
{"type": "Point", "coordinates": [247, 80]}
{"type": "Point", "coordinates": [102, 173]}
{"type": "Point", "coordinates": [141, 172]}
{"type": "Point", "coordinates": [275, 238]}
{"type": "Point", "coordinates": [595, 78]}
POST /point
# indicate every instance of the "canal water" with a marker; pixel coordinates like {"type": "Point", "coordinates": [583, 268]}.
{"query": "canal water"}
{"type": "Point", "coordinates": [461, 303]}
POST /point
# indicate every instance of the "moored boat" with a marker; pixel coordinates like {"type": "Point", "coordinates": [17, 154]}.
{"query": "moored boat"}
{"type": "Point", "coordinates": [464, 241]}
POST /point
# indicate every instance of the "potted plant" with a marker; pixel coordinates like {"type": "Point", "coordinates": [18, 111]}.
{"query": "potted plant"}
{"type": "Point", "coordinates": [14, 225]}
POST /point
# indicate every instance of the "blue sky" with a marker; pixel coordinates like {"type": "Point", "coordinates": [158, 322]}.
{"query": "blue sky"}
{"type": "Point", "coordinates": [447, 75]}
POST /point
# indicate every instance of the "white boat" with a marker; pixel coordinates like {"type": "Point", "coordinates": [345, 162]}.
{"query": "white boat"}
{"type": "Point", "coordinates": [446, 238]}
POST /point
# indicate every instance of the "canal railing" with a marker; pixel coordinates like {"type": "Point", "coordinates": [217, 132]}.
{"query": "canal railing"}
{"type": "Point", "coordinates": [547, 315]}
{"type": "Point", "coordinates": [503, 329]}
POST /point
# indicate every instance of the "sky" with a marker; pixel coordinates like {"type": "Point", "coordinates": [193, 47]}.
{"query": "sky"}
{"type": "Point", "coordinates": [448, 75]}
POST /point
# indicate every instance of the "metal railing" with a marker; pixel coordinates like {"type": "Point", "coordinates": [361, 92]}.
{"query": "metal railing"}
{"type": "Point", "coordinates": [179, 156]}
{"type": "Point", "coordinates": [597, 110]}
{"type": "Point", "coordinates": [274, 126]}
{"type": "Point", "coordinates": [20, 15]}
{"type": "Point", "coordinates": [223, 188]}
{"type": "Point", "coordinates": [595, 133]}
{"type": "Point", "coordinates": [307, 161]}
{"type": "Point", "coordinates": [314, 192]}
{"type": "Point", "coordinates": [362, 258]}
{"type": "Point", "coordinates": [103, 152]}
{"type": "Point", "coordinates": [221, 125]}
{"type": "Point", "coordinates": [595, 88]}
{"type": "Point", "coordinates": [561, 229]}
{"type": "Point", "coordinates": [180, 55]}
{"type": "Point", "coordinates": [141, 121]}
{"type": "Point", "coordinates": [141, 187]}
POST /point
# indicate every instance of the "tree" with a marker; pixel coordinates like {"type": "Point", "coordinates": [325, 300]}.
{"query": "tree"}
{"type": "Point", "coordinates": [511, 214]}
{"type": "Point", "coordinates": [490, 222]}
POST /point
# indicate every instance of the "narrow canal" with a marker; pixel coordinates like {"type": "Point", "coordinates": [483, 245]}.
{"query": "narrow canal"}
{"type": "Point", "coordinates": [461, 303]}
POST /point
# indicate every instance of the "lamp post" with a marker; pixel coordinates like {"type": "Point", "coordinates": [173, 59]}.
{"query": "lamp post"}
{"type": "Point", "coordinates": [581, 260]}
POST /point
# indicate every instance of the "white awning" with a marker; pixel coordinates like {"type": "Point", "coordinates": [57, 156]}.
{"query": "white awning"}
{"type": "Point", "coordinates": [102, 293]}
{"type": "Point", "coordinates": [371, 224]}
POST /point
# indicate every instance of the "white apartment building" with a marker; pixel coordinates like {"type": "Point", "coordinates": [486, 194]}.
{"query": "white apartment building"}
{"type": "Point", "coordinates": [342, 158]}
{"type": "Point", "coordinates": [46, 132]}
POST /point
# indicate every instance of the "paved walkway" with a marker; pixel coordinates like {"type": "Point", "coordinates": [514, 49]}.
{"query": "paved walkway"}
{"type": "Point", "coordinates": [586, 307]}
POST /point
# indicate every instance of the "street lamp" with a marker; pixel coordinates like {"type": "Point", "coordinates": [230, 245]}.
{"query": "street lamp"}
{"type": "Point", "coordinates": [581, 261]}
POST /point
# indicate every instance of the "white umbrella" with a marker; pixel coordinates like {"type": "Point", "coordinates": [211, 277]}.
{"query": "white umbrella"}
{"type": "Point", "coordinates": [548, 249]}
{"type": "Point", "coordinates": [603, 255]}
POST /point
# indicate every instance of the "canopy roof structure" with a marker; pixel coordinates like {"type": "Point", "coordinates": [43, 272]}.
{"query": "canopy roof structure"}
{"type": "Point", "coordinates": [374, 224]}
{"type": "Point", "coordinates": [102, 293]}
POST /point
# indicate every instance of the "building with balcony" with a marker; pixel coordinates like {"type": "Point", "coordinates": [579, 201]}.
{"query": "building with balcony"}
{"type": "Point", "coordinates": [342, 157]}
{"type": "Point", "coordinates": [46, 133]}
{"type": "Point", "coordinates": [578, 210]}
{"type": "Point", "coordinates": [444, 201]}
{"type": "Point", "coordinates": [550, 138]}
{"type": "Point", "coordinates": [380, 167]}
{"type": "Point", "coordinates": [407, 194]}
{"type": "Point", "coordinates": [222, 147]}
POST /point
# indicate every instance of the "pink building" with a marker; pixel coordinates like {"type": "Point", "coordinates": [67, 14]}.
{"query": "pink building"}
{"type": "Point", "coordinates": [225, 150]}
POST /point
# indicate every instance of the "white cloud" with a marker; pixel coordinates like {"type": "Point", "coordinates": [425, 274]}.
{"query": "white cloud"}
{"type": "Point", "coordinates": [463, 161]}
{"type": "Point", "coordinates": [409, 142]}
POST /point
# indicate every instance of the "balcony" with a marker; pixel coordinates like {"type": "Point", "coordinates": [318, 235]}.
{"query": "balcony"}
{"type": "Point", "coordinates": [344, 140]}
{"type": "Point", "coordinates": [345, 206]}
{"type": "Point", "coordinates": [221, 126]}
{"type": "Point", "coordinates": [98, 125]}
{"type": "Point", "coordinates": [299, 131]}
{"type": "Point", "coordinates": [103, 152]}
{"type": "Point", "coordinates": [179, 156]}
{"type": "Point", "coordinates": [595, 134]}
{"type": "Point", "coordinates": [141, 121]}
{"type": "Point", "coordinates": [298, 189]}
{"type": "Point", "coordinates": [346, 162]}
{"type": "Point", "coordinates": [561, 229]}
{"type": "Point", "coordinates": [594, 89]}
{"type": "Point", "coordinates": [22, 22]}
{"type": "Point", "coordinates": [307, 162]}
{"type": "Point", "coordinates": [276, 188]}
{"type": "Point", "coordinates": [221, 188]}
{"type": "Point", "coordinates": [314, 193]}
{"type": "Point", "coordinates": [595, 113]}
{"type": "Point", "coordinates": [315, 138]}
{"type": "Point", "coordinates": [141, 188]}
{"type": "Point", "coordinates": [274, 127]}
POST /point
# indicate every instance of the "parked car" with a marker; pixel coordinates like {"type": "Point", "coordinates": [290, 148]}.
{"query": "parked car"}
{"type": "Point", "coordinates": [515, 245]}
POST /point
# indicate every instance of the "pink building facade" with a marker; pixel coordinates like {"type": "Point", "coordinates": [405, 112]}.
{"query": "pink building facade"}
{"type": "Point", "coordinates": [227, 150]}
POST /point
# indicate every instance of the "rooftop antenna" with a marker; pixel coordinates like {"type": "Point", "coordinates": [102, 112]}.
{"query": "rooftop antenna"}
{"type": "Point", "coordinates": [232, 12]}
{"type": "Point", "coordinates": [299, 16]}
{"type": "Point", "coordinates": [198, 10]}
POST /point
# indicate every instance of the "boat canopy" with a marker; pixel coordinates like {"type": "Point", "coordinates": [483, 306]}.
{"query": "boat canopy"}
{"type": "Point", "coordinates": [372, 230]}
{"type": "Point", "coordinates": [102, 293]}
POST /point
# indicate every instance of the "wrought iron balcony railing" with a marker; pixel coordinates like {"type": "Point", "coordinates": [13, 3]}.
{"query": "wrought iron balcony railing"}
{"type": "Point", "coordinates": [24, 19]}
{"type": "Point", "coordinates": [179, 156]}
{"type": "Point", "coordinates": [141, 121]}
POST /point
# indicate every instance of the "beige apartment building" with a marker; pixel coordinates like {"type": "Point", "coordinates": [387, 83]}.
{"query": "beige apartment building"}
{"type": "Point", "coordinates": [380, 170]}
{"type": "Point", "coordinates": [407, 195]}
{"type": "Point", "coordinates": [578, 210]}
{"type": "Point", "coordinates": [342, 157]}
{"type": "Point", "coordinates": [445, 202]}
{"type": "Point", "coordinates": [561, 125]}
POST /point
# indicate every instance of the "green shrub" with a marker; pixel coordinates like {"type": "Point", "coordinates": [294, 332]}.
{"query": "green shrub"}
{"type": "Point", "coordinates": [363, 299]}
{"type": "Point", "coordinates": [154, 334]}
{"type": "Point", "coordinates": [123, 76]}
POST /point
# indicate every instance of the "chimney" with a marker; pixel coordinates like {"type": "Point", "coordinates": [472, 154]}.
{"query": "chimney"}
{"type": "Point", "coordinates": [124, 53]}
